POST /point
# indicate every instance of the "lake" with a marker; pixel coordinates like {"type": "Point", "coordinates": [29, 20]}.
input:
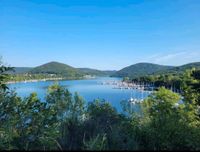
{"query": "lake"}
{"type": "Point", "coordinates": [89, 89]}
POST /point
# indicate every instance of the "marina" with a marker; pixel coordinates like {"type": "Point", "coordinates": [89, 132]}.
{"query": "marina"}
{"type": "Point", "coordinates": [125, 85]}
{"type": "Point", "coordinates": [134, 99]}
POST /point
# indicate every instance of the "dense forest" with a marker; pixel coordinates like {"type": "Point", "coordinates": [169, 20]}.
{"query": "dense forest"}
{"type": "Point", "coordinates": [144, 69]}
{"type": "Point", "coordinates": [52, 70]}
{"type": "Point", "coordinates": [65, 122]}
{"type": "Point", "coordinates": [95, 72]}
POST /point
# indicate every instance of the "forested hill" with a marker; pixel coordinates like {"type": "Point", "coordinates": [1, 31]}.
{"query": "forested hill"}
{"type": "Point", "coordinates": [181, 69]}
{"type": "Point", "coordinates": [56, 68]}
{"type": "Point", "coordinates": [96, 72]}
{"type": "Point", "coordinates": [141, 69]}
{"type": "Point", "coordinates": [19, 70]}
{"type": "Point", "coordinates": [61, 69]}
{"type": "Point", "coordinates": [190, 65]}
{"type": "Point", "coordinates": [136, 70]}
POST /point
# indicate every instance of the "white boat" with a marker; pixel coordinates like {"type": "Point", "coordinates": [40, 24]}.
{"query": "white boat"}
{"type": "Point", "coordinates": [131, 100]}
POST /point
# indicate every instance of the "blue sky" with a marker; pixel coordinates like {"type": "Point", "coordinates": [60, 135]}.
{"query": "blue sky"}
{"type": "Point", "coordinates": [102, 34]}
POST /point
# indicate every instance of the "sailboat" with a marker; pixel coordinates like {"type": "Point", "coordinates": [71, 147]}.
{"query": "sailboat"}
{"type": "Point", "coordinates": [132, 100]}
{"type": "Point", "coordinates": [142, 94]}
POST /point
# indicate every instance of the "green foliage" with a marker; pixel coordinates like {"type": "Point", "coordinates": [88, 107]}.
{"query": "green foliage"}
{"type": "Point", "coordinates": [101, 116]}
{"type": "Point", "coordinates": [178, 82]}
{"type": "Point", "coordinates": [71, 114]}
{"type": "Point", "coordinates": [29, 123]}
{"type": "Point", "coordinates": [103, 119]}
{"type": "Point", "coordinates": [169, 125]}
{"type": "Point", "coordinates": [97, 143]}
{"type": "Point", "coordinates": [27, 77]}
{"type": "Point", "coordinates": [126, 79]}
{"type": "Point", "coordinates": [3, 76]}
{"type": "Point", "coordinates": [191, 86]}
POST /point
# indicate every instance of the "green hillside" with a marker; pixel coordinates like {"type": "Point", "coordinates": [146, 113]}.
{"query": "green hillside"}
{"type": "Point", "coordinates": [56, 68]}
{"type": "Point", "coordinates": [190, 65]}
{"type": "Point", "coordinates": [89, 71]}
{"type": "Point", "coordinates": [20, 70]}
{"type": "Point", "coordinates": [136, 70]}
{"type": "Point", "coordinates": [59, 69]}
{"type": "Point", "coordinates": [109, 72]}
{"type": "Point", "coordinates": [140, 69]}
{"type": "Point", "coordinates": [180, 69]}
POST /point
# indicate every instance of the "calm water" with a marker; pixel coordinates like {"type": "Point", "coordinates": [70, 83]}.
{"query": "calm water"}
{"type": "Point", "coordinates": [89, 89]}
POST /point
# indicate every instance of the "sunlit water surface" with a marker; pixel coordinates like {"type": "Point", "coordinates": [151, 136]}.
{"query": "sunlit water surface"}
{"type": "Point", "coordinates": [89, 89]}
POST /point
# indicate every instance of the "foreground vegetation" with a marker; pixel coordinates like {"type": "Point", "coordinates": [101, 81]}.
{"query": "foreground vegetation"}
{"type": "Point", "coordinates": [65, 122]}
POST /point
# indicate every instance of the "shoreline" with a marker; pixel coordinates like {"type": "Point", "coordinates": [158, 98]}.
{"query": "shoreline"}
{"type": "Point", "coordinates": [48, 79]}
{"type": "Point", "coordinates": [34, 80]}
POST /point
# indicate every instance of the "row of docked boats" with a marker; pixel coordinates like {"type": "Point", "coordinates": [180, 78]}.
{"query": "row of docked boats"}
{"type": "Point", "coordinates": [125, 85]}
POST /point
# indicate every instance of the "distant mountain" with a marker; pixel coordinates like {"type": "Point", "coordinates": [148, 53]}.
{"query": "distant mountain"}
{"type": "Point", "coordinates": [20, 70]}
{"type": "Point", "coordinates": [188, 66]}
{"type": "Point", "coordinates": [141, 69]}
{"type": "Point", "coordinates": [56, 68]}
{"type": "Point", "coordinates": [109, 72]}
{"type": "Point", "coordinates": [182, 68]}
{"type": "Point", "coordinates": [136, 70]}
{"type": "Point", "coordinates": [89, 71]}
{"type": "Point", "coordinates": [61, 69]}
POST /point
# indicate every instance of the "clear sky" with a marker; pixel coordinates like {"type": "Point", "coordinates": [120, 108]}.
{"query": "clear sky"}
{"type": "Point", "coordinates": [102, 34]}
